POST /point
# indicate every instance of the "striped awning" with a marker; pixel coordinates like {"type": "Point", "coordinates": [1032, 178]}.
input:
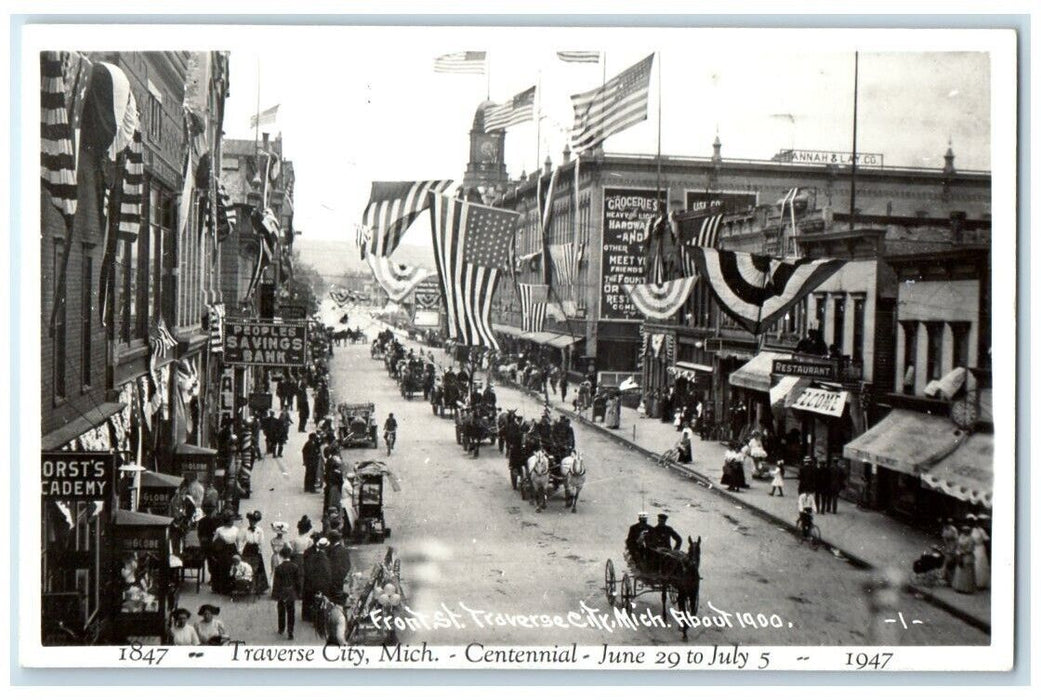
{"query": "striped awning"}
{"type": "Point", "coordinates": [507, 330]}
{"type": "Point", "coordinates": [967, 473]}
{"type": "Point", "coordinates": [688, 370]}
{"type": "Point", "coordinates": [756, 373]}
{"type": "Point", "coordinates": [563, 341]}
{"type": "Point", "coordinates": [905, 441]}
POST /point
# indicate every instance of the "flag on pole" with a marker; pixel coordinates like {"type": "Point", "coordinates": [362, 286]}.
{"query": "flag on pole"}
{"type": "Point", "coordinates": [392, 208]}
{"type": "Point", "coordinates": [124, 216]}
{"type": "Point", "coordinates": [615, 106]}
{"type": "Point", "coordinates": [565, 257]}
{"type": "Point", "coordinates": [544, 209]}
{"type": "Point", "coordinates": [471, 246]}
{"type": "Point", "coordinates": [265, 224]}
{"type": "Point", "coordinates": [697, 232]}
{"type": "Point", "coordinates": [788, 201]}
{"type": "Point", "coordinates": [656, 266]}
{"type": "Point", "coordinates": [579, 56]}
{"type": "Point", "coordinates": [57, 158]}
{"type": "Point", "coordinates": [362, 238]}
{"type": "Point", "coordinates": [268, 116]}
{"type": "Point", "coordinates": [518, 110]}
{"type": "Point", "coordinates": [472, 62]}
{"type": "Point", "coordinates": [160, 341]}
{"type": "Point", "coordinates": [756, 290]}
{"type": "Point", "coordinates": [533, 298]}
{"type": "Point", "coordinates": [216, 327]}
{"type": "Point", "coordinates": [397, 280]}
{"type": "Point", "coordinates": [660, 301]}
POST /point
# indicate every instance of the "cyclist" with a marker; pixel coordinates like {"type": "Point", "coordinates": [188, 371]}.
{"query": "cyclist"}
{"type": "Point", "coordinates": [805, 522]}
{"type": "Point", "coordinates": [390, 429]}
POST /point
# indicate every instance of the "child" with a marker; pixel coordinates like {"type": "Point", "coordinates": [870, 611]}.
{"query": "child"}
{"type": "Point", "coordinates": [778, 479]}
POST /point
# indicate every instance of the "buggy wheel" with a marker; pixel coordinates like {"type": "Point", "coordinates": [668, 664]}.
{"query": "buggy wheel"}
{"type": "Point", "coordinates": [610, 582]}
{"type": "Point", "coordinates": [628, 592]}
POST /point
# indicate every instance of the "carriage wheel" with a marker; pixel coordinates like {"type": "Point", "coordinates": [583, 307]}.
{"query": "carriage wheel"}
{"type": "Point", "coordinates": [628, 592]}
{"type": "Point", "coordinates": [610, 582]}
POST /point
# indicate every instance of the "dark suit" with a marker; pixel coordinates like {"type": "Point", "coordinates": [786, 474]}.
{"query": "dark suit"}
{"type": "Point", "coordinates": [317, 578]}
{"type": "Point", "coordinates": [633, 538]}
{"type": "Point", "coordinates": [312, 460]}
{"type": "Point", "coordinates": [286, 588]}
{"type": "Point", "coordinates": [339, 565]}
{"type": "Point", "coordinates": [662, 536]}
{"type": "Point", "coordinates": [820, 487]}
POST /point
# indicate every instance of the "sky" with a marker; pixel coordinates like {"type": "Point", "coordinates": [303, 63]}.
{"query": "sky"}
{"type": "Point", "coordinates": [356, 106]}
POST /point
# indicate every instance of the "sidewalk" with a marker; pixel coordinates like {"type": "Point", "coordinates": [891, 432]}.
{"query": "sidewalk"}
{"type": "Point", "coordinates": [869, 539]}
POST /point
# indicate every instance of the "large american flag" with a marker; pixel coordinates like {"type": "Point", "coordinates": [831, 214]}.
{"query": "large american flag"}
{"type": "Point", "coordinates": [611, 108]}
{"type": "Point", "coordinates": [57, 157]}
{"type": "Point", "coordinates": [461, 62]}
{"type": "Point", "coordinates": [472, 245]}
{"type": "Point", "coordinates": [533, 298]}
{"type": "Point", "coordinates": [520, 109]}
{"type": "Point", "coordinates": [392, 208]}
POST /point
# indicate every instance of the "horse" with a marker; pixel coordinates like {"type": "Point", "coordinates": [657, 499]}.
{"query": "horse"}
{"type": "Point", "coordinates": [538, 472]}
{"type": "Point", "coordinates": [574, 478]}
{"type": "Point", "coordinates": [682, 571]}
{"type": "Point", "coordinates": [507, 423]}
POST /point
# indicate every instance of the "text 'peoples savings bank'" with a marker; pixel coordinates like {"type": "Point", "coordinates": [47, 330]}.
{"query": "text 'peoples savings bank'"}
{"type": "Point", "coordinates": [265, 343]}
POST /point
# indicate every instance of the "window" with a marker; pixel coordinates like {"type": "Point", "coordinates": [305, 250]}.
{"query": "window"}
{"type": "Point", "coordinates": [128, 285]}
{"type": "Point", "coordinates": [161, 255]}
{"type": "Point", "coordinates": [838, 334]}
{"type": "Point", "coordinates": [960, 336]}
{"type": "Point", "coordinates": [934, 360]}
{"type": "Point", "coordinates": [86, 314]}
{"type": "Point", "coordinates": [60, 335]}
{"type": "Point", "coordinates": [857, 351]}
{"type": "Point", "coordinates": [910, 355]}
{"type": "Point", "coordinates": [822, 312]}
{"type": "Point", "coordinates": [155, 114]}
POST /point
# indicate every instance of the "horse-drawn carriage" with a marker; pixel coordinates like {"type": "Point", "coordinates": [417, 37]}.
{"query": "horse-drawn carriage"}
{"type": "Point", "coordinates": [446, 394]}
{"type": "Point", "coordinates": [544, 475]}
{"type": "Point", "coordinates": [357, 425]}
{"type": "Point", "coordinates": [475, 424]}
{"type": "Point", "coordinates": [672, 573]}
{"type": "Point", "coordinates": [365, 513]}
{"type": "Point", "coordinates": [410, 379]}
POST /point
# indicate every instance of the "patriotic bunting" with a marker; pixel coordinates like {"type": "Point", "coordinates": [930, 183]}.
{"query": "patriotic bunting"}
{"type": "Point", "coordinates": [579, 56]}
{"type": "Point", "coordinates": [615, 106]}
{"type": "Point", "coordinates": [124, 215]}
{"type": "Point", "coordinates": [533, 298]}
{"type": "Point", "coordinates": [697, 232]}
{"type": "Point", "coordinates": [565, 258]}
{"type": "Point", "coordinates": [392, 208]}
{"type": "Point", "coordinates": [340, 296]}
{"type": "Point", "coordinates": [518, 110]}
{"type": "Point", "coordinates": [756, 290]}
{"type": "Point", "coordinates": [396, 279]}
{"type": "Point", "coordinates": [216, 326]}
{"type": "Point", "coordinates": [661, 301]}
{"type": "Point", "coordinates": [471, 246]}
{"type": "Point", "coordinates": [57, 158]}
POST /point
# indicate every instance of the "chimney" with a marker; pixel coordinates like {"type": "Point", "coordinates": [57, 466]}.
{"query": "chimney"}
{"type": "Point", "coordinates": [948, 160]}
{"type": "Point", "coordinates": [547, 167]}
{"type": "Point", "coordinates": [567, 153]}
{"type": "Point", "coordinates": [716, 148]}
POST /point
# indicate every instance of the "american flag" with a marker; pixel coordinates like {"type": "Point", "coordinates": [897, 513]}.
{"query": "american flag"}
{"type": "Point", "coordinates": [471, 245]}
{"type": "Point", "coordinates": [57, 157]}
{"type": "Point", "coordinates": [397, 280]}
{"type": "Point", "coordinates": [518, 110]}
{"type": "Point", "coordinates": [268, 116]}
{"type": "Point", "coordinates": [265, 224]}
{"type": "Point", "coordinates": [216, 325]}
{"type": "Point", "coordinates": [565, 257]}
{"type": "Point", "coordinates": [579, 56]}
{"type": "Point", "coordinates": [614, 107]}
{"type": "Point", "coordinates": [124, 214]}
{"type": "Point", "coordinates": [461, 62]}
{"type": "Point", "coordinates": [533, 298]}
{"type": "Point", "coordinates": [362, 237]}
{"type": "Point", "coordinates": [701, 232]}
{"type": "Point", "coordinates": [160, 340]}
{"type": "Point", "coordinates": [392, 208]}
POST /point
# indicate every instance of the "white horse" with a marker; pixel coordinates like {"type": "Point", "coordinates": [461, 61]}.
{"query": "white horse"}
{"type": "Point", "coordinates": [574, 478]}
{"type": "Point", "coordinates": [538, 472]}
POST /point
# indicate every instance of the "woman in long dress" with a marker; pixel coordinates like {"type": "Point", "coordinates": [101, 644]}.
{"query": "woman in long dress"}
{"type": "Point", "coordinates": [982, 560]}
{"type": "Point", "coordinates": [250, 546]}
{"type": "Point", "coordinates": [965, 569]}
{"type": "Point", "coordinates": [277, 543]}
{"type": "Point", "coordinates": [225, 546]}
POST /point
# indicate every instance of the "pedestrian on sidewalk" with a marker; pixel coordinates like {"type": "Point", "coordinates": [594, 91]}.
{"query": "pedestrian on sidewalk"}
{"type": "Point", "coordinates": [312, 455]}
{"type": "Point", "coordinates": [269, 425]}
{"type": "Point", "coordinates": [563, 387]}
{"type": "Point", "coordinates": [982, 560]}
{"type": "Point", "coordinates": [778, 479]}
{"type": "Point", "coordinates": [303, 407]}
{"type": "Point", "coordinates": [281, 431]}
{"type": "Point", "coordinates": [287, 587]}
{"type": "Point", "coordinates": [806, 476]}
{"type": "Point", "coordinates": [964, 580]}
{"type": "Point", "coordinates": [278, 542]}
{"type": "Point", "coordinates": [836, 482]}
{"type": "Point", "coordinates": [820, 486]}
{"type": "Point", "coordinates": [250, 545]}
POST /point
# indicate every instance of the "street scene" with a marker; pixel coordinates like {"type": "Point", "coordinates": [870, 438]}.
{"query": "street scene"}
{"type": "Point", "coordinates": [692, 375]}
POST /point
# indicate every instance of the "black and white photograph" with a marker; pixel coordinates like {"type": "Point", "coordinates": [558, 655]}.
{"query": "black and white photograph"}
{"type": "Point", "coordinates": [489, 347]}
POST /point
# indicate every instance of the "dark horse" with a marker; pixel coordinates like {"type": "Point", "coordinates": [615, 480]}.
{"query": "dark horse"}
{"type": "Point", "coordinates": [684, 573]}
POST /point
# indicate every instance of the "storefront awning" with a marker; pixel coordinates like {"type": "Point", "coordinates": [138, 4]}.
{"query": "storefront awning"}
{"type": "Point", "coordinates": [967, 473]}
{"type": "Point", "coordinates": [827, 402]}
{"type": "Point", "coordinates": [786, 387]}
{"type": "Point", "coordinates": [688, 370]}
{"type": "Point", "coordinates": [186, 449]}
{"type": "Point", "coordinates": [562, 341]}
{"type": "Point", "coordinates": [507, 330]}
{"type": "Point", "coordinates": [905, 441]}
{"type": "Point", "coordinates": [158, 480]}
{"type": "Point", "coordinates": [88, 420]}
{"type": "Point", "coordinates": [755, 374]}
{"type": "Point", "coordinates": [539, 337]}
{"type": "Point", "coordinates": [135, 518]}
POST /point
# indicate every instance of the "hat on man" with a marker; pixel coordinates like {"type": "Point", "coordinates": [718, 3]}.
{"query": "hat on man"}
{"type": "Point", "coordinates": [335, 536]}
{"type": "Point", "coordinates": [642, 515]}
{"type": "Point", "coordinates": [323, 542]}
{"type": "Point", "coordinates": [211, 608]}
{"type": "Point", "coordinates": [662, 517]}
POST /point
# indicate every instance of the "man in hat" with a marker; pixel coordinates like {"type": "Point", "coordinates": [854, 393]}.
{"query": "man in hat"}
{"type": "Point", "coordinates": [633, 543]}
{"type": "Point", "coordinates": [286, 588]}
{"type": "Point", "coordinates": [317, 575]}
{"type": "Point", "coordinates": [339, 561]}
{"type": "Point", "coordinates": [312, 461]}
{"type": "Point", "coordinates": [662, 536]}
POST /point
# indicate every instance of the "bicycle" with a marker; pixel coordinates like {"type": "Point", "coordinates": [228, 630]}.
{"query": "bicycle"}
{"type": "Point", "coordinates": [808, 532]}
{"type": "Point", "coordinates": [389, 438]}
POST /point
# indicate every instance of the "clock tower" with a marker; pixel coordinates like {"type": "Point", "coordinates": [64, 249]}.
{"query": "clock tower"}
{"type": "Point", "coordinates": [487, 166]}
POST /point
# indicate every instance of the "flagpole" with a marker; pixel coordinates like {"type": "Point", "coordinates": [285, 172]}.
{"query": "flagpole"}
{"type": "Point", "coordinates": [256, 125]}
{"type": "Point", "coordinates": [538, 119]}
{"type": "Point", "coordinates": [853, 176]}
{"type": "Point", "coordinates": [488, 77]}
{"type": "Point", "coordinates": [657, 187]}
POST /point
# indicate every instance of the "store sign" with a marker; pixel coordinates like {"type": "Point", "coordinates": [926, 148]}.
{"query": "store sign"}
{"type": "Point", "coordinates": [426, 318]}
{"type": "Point", "coordinates": [292, 311]}
{"type": "Point", "coordinates": [828, 157]}
{"type": "Point", "coordinates": [153, 542]}
{"type": "Point", "coordinates": [77, 476]}
{"type": "Point", "coordinates": [626, 212]}
{"type": "Point", "coordinates": [265, 343]}
{"type": "Point", "coordinates": [801, 368]}
{"type": "Point", "coordinates": [200, 464]}
{"type": "Point", "coordinates": [823, 401]}
{"type": "Point", "coordinates": [731, 202]}
{"type": "Point", "coordinates": [153, 498]}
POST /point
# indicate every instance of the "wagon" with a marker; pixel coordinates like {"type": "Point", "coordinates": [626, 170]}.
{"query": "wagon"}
{"type": "Point", "coordinates": [365, 514]}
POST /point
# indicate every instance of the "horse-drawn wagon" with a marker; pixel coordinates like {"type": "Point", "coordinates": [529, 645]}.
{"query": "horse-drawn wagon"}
{"type": "Point", "coordinates": [357, 425]}
{"type": "Point", "coordinates": [365, 510]}
{"type": "Point", "coordinates": [672, 573]}
{"type": "Point", "coordinates": [475, 424]}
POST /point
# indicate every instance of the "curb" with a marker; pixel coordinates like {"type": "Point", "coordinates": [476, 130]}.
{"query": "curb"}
{"type": "Point", "coordinates": [707, 482]}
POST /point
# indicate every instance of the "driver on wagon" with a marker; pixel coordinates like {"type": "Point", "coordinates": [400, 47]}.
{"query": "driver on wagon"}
{"type": "Point", "coordinates": [633, 541]}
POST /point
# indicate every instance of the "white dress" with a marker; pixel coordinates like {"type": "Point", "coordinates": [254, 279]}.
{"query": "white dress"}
{"type": "Point", "coordinates": [982, 561]}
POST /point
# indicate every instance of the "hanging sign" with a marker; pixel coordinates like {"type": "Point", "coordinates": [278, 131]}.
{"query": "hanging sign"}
{"type": "Point", "coordinates": [823, 401]}
{"type": "Point", "coordinates": [626, 213]}
{"type": "Point", "coordinates": [265, 343]}
{"type": "Point", "coordinates": [77, 476]}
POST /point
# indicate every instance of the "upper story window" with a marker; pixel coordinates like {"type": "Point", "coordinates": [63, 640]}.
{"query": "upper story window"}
{"type": "Point", "coordinates": [155, 114]}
